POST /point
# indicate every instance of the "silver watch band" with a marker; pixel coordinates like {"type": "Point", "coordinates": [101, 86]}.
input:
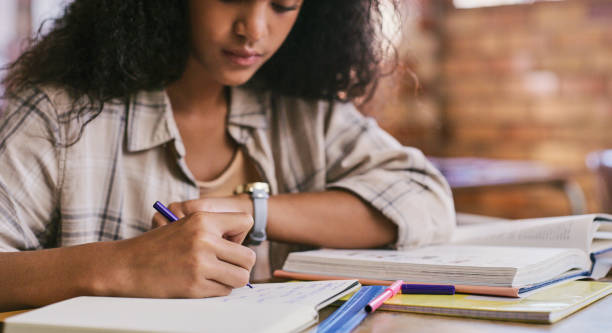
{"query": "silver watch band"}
{"type": "Point", "coordinates": [260, 215]}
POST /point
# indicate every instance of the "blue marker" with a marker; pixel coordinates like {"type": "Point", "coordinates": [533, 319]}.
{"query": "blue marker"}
{"type": "Point", "coordinates": [164, 211]}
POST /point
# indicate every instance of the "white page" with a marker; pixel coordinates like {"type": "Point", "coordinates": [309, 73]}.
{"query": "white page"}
{"type": "Point", "coordinates": [441, 255]}
{"type": "Point", "coordinates": [468, 219]}
{"type": "Point", "coordinates": [457, 264]}
{"type": "Point", "coordinates": [311, 294]}
{"type": "Point", "coordinates": [275, 307]}
{"type": "Point", "coordinates": [558, 232]}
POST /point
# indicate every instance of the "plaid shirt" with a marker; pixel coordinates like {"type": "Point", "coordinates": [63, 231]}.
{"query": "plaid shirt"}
{"type": "Point", "coordinates": [102, 187]}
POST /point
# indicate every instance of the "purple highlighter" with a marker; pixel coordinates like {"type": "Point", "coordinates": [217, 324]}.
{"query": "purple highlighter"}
{"type": "Point", "coordinates": [427, 289]}
{"type": "Point", "coordinates": [165, 211]}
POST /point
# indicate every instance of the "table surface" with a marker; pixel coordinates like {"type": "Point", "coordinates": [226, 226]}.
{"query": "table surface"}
{"type": "Point", "coordinates": [594, 318]}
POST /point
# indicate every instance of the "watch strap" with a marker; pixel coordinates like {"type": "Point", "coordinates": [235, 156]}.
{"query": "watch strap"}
{"type": "Point", "coordinates": [260, 215]}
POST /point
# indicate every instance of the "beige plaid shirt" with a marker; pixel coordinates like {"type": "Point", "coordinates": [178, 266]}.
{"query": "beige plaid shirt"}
{"type": "Point", "coordinates": [103, 187]}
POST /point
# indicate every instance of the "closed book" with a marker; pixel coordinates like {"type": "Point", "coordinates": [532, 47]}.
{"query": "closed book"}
{"type": "Point", "coordinates": [547, 306]}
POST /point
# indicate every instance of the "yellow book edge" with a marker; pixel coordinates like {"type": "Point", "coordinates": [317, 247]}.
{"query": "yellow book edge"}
{"type": "Point", "coordinates": [545, 307]}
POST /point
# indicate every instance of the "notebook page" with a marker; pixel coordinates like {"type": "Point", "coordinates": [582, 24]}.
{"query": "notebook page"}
{"type": "Point", "coordinates": [311, 294]}
{"type": "Point", "coordinates": [560, 232]}
{"type": "Point", "coordinates": [113, 314]}
{"type": "Point", "coordinates": [265, 308]}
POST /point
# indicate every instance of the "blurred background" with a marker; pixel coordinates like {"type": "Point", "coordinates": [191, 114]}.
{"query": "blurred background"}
{"type": "Point", "coordinates": [512, 99]}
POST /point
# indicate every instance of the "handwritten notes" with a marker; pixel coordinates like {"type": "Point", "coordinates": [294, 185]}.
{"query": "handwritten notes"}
{"type": "Point", "coordinates": [309, 293]}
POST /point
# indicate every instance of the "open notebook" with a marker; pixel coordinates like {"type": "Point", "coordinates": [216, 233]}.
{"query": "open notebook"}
{"type": "Point", "coordinates": [272, 307]}
{"type": "Point", "coordinates": [499, 258]}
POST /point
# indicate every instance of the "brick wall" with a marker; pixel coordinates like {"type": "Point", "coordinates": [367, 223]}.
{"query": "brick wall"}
{"type": "Point", "coordinates": [527, 82]}
{"type": "Point", "coordinates": [530, 82]}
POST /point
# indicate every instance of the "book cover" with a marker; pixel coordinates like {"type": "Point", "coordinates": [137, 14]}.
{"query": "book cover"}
{"type": "Point", "coordinates": [546, 306]}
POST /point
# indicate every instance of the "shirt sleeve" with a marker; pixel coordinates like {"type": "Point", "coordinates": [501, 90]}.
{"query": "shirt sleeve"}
{"type": "Point", "coordinates": [398, 181]}
{"type": "Point", "coordinates": [29, 175]}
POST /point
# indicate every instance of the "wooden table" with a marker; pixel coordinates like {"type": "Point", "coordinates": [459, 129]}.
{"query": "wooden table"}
{"type": "Point", "coordinates": [595, 318]}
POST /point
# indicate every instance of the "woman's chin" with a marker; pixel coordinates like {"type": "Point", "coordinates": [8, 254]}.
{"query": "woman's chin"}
{"type": "Point", "coordinates": [236, 79]}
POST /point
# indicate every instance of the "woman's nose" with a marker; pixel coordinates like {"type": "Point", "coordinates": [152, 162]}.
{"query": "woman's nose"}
{"type": "Point", "coordinates": [252, 24]}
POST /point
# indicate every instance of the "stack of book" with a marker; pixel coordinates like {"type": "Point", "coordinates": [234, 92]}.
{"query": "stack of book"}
{"type": "Point", "coordinates": [519, 259]}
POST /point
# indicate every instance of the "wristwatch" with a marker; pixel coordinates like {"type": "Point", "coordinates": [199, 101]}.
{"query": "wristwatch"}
{"type": "Point", "coordinates": [259, 192]}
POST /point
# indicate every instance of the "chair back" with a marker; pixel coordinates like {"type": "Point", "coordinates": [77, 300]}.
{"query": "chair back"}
{"type": "Point", "coordinates": [600, 162]}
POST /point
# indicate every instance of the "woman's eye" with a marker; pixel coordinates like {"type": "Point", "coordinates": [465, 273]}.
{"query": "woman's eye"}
{"type": "Point", "coordinates": [283, 9]}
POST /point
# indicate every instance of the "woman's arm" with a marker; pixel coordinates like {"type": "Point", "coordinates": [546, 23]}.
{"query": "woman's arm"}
{"type": "Point", "coordinates": [327, 219]}
{"type": "Point", "coordinates": [197, 256]}
{"type": "Point", "coordinates": [334, 219]}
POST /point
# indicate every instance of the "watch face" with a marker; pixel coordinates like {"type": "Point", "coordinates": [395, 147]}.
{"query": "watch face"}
{"type": "Point", "coordinates": [258, 186]}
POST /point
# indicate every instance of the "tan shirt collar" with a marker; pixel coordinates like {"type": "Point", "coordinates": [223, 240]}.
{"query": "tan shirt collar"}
{"type": "Point", "coordinates": [150, 122]}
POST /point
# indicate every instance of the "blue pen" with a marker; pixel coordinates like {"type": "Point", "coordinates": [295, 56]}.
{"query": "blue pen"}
{"type": "Point", "coordinates": [164, 211]}
{"type": "Point", "coordinates": [172, 218]}
{"type": "Point", "coordinates": [428, 289]}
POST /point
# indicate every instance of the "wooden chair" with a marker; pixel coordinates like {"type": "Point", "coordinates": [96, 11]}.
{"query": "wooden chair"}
{"type": "Point", "coordinates": [600, 162]}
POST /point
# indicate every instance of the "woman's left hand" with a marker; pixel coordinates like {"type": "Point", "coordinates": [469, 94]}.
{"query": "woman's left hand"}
{"type": "Point", "coordinates": [232, 204]}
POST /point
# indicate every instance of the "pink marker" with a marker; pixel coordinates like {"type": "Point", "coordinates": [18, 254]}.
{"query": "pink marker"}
{"type": "Point", "coordinates": [385, 295]}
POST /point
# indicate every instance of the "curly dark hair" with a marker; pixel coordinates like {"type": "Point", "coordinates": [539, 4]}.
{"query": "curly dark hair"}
{"type": "Point", "coordinates": [106, 49]}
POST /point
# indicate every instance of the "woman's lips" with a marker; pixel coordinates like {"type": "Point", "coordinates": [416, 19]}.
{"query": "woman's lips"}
{"type": "Point", "coordinates": [242, 57]}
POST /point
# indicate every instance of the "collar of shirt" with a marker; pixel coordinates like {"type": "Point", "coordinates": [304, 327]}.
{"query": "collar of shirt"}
{"type": "Point", "coordinates": [150, 122]}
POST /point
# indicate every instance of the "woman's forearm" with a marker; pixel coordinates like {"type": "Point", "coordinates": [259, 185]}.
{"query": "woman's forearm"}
{"type": "Point", "coordinates": [328, 219]}
{"type": "Point", "coordinates": [36, 278]}
{"type": "Point", "coordinates": [197, 256]}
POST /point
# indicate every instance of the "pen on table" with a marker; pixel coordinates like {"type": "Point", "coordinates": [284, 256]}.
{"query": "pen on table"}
{"type": "Point", "coordinates": [428, 289]}
{"type": "Point", "coordinates": [172, 218]}
{"type": "Point", "coordinates": [385, 295]}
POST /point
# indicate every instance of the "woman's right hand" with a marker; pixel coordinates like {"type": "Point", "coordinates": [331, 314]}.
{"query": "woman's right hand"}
{"type": "Point", "coordinates": [197, 256]}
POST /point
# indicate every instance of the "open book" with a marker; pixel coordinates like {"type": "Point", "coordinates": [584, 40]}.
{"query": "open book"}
{"type": "Point", "coordinates": [499, 258]}
{"type": "Point", "coordinates": [272, 307]}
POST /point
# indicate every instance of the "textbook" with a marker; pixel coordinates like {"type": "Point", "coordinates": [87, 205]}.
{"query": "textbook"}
{"type": "Point", "coordinates": [547, 306]}
{"type": "Point", "coordinates": [268, 307]}
{"type": "Point", "coordinates": [499, 258]}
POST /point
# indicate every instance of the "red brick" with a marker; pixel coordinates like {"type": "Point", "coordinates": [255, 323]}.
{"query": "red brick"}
{"type": "Point", "coordinates": [561, 112]}
{"type": "Point", "coordinates": [580, 85]}
{"type": "Point", "coordinates": [563, 63]}
{"type": "Point", "coordinates": [579, 39]}
{"type": "Point", "coordinates": [564, 15]}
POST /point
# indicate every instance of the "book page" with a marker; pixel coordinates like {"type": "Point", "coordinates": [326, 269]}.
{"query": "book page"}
{"type": "Point", "coordinates": [495, 266]}
{"type": "Point", "coordinates": [439, 255]}
{"type": "Point", "coordinates": [560, 232]}
{"type": "Point", "coordinates": [605, 222]}
{"type": "Point", "coordinates": [465, 219]}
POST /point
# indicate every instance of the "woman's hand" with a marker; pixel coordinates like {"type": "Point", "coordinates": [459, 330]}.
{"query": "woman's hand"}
{"type": "Point", "coordinates": [197, 256]}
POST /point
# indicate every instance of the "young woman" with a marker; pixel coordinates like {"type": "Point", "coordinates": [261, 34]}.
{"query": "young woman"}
{"type": "Point", "coordinates": [124, 103]}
